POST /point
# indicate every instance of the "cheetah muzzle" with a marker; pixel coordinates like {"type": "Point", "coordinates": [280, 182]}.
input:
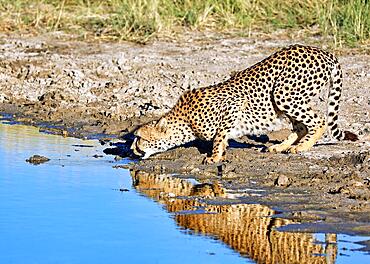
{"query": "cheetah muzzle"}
{"type": "Point", "coordinates": [251, 102]}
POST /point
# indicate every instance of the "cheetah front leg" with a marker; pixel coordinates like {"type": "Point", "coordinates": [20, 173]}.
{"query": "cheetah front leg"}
{"type": "Point", "coordinates": [219, 149]}
{"type": "Point", "coordinates": [299, 131]}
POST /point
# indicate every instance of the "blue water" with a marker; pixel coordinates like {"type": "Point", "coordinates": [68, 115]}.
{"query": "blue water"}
{"type": "Point", "coordinates": [66, 211]}
{"type": "Point", "coordinates": [69, 210]}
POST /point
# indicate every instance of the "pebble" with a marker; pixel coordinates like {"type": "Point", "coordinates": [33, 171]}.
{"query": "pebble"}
{"type": "Point", "coordinates": [37, 159]}
{"type": "Point", "coordinates": [282, 180]}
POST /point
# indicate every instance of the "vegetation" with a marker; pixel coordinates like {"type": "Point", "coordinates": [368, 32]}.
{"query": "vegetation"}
{"type": "Point", "coordinates": [348, 21]}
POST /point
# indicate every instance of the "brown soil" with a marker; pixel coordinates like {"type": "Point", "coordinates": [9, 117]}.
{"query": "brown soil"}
{"type": "Point", "coordinates": [86, 88]}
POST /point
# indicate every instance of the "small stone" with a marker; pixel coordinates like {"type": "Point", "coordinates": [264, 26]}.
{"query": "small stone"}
{"type": "Point", "coordinates": [344, 190]}
{"type": "Point", "coordinates": [117, 158]}
{"type": "Point", "coordinates": [315, 180]}
{"type": "Point", "coordinates": [282, 180]}
{"type": "Point", "coordinates": [37, 159]}
{"type": "Point", "coordinates": [357, 184]}
{"type": "Point", "coordinates": [123, 166]}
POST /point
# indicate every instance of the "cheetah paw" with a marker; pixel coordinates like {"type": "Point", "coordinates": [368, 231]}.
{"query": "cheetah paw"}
{"type": "Point", "coordinates": [211, 160]}
{"type": "Point", "coordinates": [297, 149]}
{"type": "Point", "coordinates": [293, 150]}
{"type": "Point", "coordinates": [278, 148]}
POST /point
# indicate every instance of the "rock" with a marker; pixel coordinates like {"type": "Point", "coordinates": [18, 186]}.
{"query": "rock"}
{"type": "Point", "coordinates": [117, 158]}
{"type": "Point", "coordinates": [282, 180]}
{"type": "Point", "coordinates": [37, 159]}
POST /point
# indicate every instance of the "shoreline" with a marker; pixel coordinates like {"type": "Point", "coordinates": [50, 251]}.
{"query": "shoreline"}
{"type": "Point", "coordinates": [78, 89]}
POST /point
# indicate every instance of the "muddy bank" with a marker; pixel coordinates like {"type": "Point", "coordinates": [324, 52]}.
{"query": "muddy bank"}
{"type": "Point", "coordinates": [83, 88]}
{"type": "Point", "coordinates": [114, 87]}
{"type": "Point", "coordinates": [329, 185]}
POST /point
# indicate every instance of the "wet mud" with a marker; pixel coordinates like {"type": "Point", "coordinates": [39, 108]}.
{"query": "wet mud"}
{"type": "Point", "coordinates": [107, 90]}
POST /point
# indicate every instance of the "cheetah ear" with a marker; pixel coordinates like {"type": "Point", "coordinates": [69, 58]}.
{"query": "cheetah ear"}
{"type": "Point", "coordinates": [162, 124]}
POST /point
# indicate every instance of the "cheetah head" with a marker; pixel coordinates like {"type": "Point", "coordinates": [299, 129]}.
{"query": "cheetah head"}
{"type": "Point", "coordinates": [153, 138]}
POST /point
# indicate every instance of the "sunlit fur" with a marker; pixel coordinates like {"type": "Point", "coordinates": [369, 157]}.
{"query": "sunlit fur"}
{"type": "Point", "coordinates": [159, 136]}
{"type": "Point", "coordinates": [252, 102]}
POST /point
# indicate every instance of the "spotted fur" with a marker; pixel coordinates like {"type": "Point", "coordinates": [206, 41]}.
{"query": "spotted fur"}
{"type": "Point", "coordinates": [251, 102]}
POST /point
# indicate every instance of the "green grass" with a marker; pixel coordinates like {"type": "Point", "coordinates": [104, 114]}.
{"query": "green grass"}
{"type": "Point", "coordinates": [348, 22]}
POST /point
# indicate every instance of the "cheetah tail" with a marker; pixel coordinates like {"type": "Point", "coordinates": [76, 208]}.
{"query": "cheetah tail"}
{"type": "Point", "coordinates": [333, 106]}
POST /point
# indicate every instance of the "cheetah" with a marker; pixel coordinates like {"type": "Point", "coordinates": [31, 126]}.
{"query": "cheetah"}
{"type": "Point", "coordinates": [251, 102]}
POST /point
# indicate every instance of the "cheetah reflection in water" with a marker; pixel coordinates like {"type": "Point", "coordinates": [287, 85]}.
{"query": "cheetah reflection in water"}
{"type": "Point", "coordinates": [250, 229]}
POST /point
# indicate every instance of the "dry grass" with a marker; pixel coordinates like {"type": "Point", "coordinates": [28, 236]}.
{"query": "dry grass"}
{"type": "Point", "coordinates": [348, 21]}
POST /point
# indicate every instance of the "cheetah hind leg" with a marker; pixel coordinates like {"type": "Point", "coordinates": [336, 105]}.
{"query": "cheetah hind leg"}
{"type": "Point", "coordinates": [299, 131]}
{"type": "Point", "coordinates": [310, 138]}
